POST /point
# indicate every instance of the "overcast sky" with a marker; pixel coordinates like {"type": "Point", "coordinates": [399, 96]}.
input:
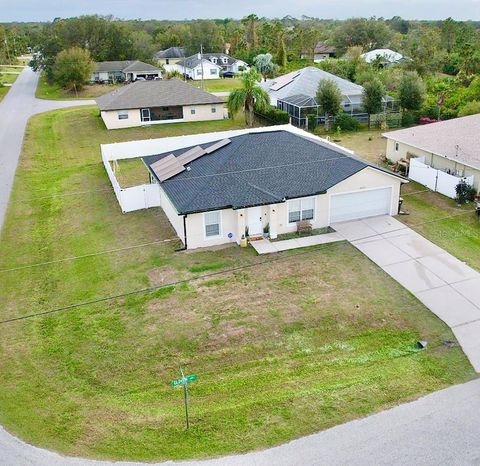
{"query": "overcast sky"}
{"type": "Point", "coordinates": [46, 10]}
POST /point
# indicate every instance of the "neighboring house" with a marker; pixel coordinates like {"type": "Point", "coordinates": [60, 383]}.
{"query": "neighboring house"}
{"type": "Point", "coordinates": [438, 155]}
{"type": "Point", "coordinates": [194, 68]}
{"type": "Point", "coordinates": [153, 102]}
{"type": "Point", "coordinates": [214, 188]}
{"type": "Point", "coordinates": [321, 52]}
{"type": "Point", "coordinates": [169, 56]}
{"type": "Point", "coordinates": [227, 62]}
{"type": "Point", "coordinates": [383, 57]}
{"type": "Point", "coordinates": [296, 92]}
{"type": "Point", "coordinates": [124, 70]}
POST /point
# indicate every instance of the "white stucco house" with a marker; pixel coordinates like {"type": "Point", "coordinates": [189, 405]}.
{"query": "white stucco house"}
{"type": "Point", "coordinates": [195, 67]}
{"type": "Point", "coordinates": [156, 102]}
{"type": "Point", "coordinates": [439, 153]}
{"type": "Point", "coordinates": [217, 187]}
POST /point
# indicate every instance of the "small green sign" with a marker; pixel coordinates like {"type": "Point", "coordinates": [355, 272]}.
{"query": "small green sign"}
{"type": "Point", "coordinates": [184, 380]}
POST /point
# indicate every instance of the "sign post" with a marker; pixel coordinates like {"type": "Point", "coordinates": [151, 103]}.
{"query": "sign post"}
{"type": "Point", "coordinates": [184, 381]}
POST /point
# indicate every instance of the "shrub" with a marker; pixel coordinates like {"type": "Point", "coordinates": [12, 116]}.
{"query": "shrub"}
{"type": "Point", "coordinates": [346, 123]}
{"type": "Point", "coordinates": [470, 108]}
{"type": "Point", "coordinates": [409, 118]}
{"type": "Point", "coordinates": [465, 192]}
{"type": "Point", "coordinates": [274, 115]}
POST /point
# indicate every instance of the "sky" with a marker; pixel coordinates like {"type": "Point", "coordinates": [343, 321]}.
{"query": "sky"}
{"type": "Point", "coordinates": [46, 10]}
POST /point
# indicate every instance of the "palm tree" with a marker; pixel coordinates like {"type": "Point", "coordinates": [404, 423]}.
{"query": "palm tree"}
{"type": "Point", "coordinates": [248, 97]}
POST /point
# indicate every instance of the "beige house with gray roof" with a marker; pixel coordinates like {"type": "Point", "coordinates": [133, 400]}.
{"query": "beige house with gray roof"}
{"type": "Point", "coordinates": [155, 102]}
{"type": "Point", "coordinates": [451, 147]}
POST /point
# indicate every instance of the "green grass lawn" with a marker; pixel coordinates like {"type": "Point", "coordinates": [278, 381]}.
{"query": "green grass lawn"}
{"type": "Point", "coordinates": [3, 91]}
{"type": "Point", "coordinates": [438, 218]}
{"type": "Point", "coordinates": [14, 68]}
{"type": "Point", "coordinates": [279, 352]}
{"type": "Point", "coordinates": [130, 172]}
{"type": "Point", "coordinates": [367, 144]}
{"type": "Point", "coordinates": [49, 91]}
{"type": "Point", "coordinates": [7, 78]}
{"type": "Point", "coordinates": [219, 85]}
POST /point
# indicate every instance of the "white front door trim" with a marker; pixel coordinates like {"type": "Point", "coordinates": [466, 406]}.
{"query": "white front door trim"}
{"type": "Point", "coordinates": [254, 221]}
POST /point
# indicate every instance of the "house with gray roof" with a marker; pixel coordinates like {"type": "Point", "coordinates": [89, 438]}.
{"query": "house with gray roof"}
{"type": "Point", "coordinates": [163, 101]}
{"type": "Point", "coordinates": [321, 52]}
{"type": "Point", "coordinates": [217, 188]}
{"type": "Point", "coordinates": [449, 148]}
{"type": "Point", "coordinates": [123, 70]}
{"type": "Point", "coordinates": [208, 65]}
{"type": "Point", "coordinates": [296, 92]}
{"type": "Point", "coordinates": [169, 56]}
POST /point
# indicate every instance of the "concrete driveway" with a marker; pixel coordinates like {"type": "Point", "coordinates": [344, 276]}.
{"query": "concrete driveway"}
{"type": "Point", "coordinates": [15, 109]}
{"type": "Point", "coordinates": [447, 286]}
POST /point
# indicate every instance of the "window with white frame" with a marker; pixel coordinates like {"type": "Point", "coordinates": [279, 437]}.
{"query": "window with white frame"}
{"type": "Point", "coordinates": [214, 60]}
{"type": "Point", "coordinates": [212, 224]}
{"type": "Point", "coordinates": [214, 109]}
{"type": "Point", "coordinates": [301, 209]}
{"type": "Point", "coordinates": [122, 114]}
{"type": "Point", "coordinates": [225, 60]}
{"type": "Point", "coordinates": [397, 146]}
{"type": "Point", "coordinates": [199, 72]}
{"type": "Point", "coordinates": [213, 71]}
{"type": "Point", "coordinates": [193, 111]}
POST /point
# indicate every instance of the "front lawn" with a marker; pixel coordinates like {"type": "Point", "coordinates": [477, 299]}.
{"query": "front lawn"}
{"type": "Point", "coordinates": [283, 347]}
{"type": "Point", "coordinates": [51, 91]}
{"type": "Point", "coordinates": [438, 218]}
{"type": "Point", "coordinates": [3, 91]}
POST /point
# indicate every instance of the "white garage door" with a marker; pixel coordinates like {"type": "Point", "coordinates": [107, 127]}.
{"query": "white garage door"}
{"type": "Point", "coordinates": [360, 204]}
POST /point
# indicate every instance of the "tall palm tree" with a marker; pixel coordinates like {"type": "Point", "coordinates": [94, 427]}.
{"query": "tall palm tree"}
{"type": "Point", "coordinates": [248, 97]}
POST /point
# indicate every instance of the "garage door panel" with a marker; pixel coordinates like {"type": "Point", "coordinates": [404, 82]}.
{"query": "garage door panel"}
{"type": "Point", "coordinates": [360, 204]}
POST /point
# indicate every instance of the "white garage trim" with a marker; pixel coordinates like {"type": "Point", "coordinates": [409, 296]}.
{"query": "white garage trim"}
{"type": "Point", "coordinates": [385, 209]}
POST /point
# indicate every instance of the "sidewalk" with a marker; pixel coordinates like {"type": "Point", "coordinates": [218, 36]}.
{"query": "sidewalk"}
{"type": "Point", "coordinates": [265, 246]}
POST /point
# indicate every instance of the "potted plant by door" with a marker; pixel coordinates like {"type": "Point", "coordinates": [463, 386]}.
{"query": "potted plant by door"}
{"type": "Point", "coordinates": [266, 231]}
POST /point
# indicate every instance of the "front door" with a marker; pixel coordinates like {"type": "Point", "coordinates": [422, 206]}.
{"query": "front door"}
{"type": "Point", "coordinates": [145, 113]}
{"type": "Point", "coordinates": [255, 221]}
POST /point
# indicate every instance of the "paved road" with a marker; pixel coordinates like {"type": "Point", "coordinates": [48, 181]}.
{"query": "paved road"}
{"type": "Point", "coordinates": [439, 429]}
{"type": "Point", "coordinates": [15, 110]}
{"type": "Point", "coordinates": [446, 285]}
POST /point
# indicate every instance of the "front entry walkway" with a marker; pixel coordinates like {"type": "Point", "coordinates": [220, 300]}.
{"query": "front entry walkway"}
{"type": "Point", "coordinates": [265, 246]}
{"type": "Point", "coordinates": [444, 284]}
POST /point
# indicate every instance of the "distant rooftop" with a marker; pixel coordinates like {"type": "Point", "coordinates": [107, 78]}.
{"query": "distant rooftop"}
{"type": "Point", "coordinates": [387, 55]}
{"type": "Point", "coordinates": [457, 139]}
{"type": "Point", "coordinates": [171, 52]}
{"type": "Point", "coordinates": [305, 82]}
{"type": "Point", "coordinates": [123, 66]}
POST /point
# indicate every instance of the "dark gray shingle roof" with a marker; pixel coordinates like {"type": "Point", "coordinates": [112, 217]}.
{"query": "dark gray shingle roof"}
{"type": "Point", "coordinates": [124, 66]}
{"type": "Point", "coordinates": [162, 93]}
{"type": "Point", "coordinates": [193, 61]}
{"type": "Point", "coordinates": [171, 52]}
{"type": "Point", "coordinates": [256, 169]}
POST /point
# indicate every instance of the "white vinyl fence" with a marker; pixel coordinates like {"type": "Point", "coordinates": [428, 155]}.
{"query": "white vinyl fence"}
{"type": "Point", "coordinates": [436, 180]}
{"type": "Point", "coordinates": [136, 197]}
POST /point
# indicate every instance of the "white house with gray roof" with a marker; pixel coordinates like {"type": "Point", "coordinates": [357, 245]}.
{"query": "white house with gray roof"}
{"type": "Point", "coordinates": [195, 67]}
{"type": "Point", "coordinates": [296, 92]}
{"type": "Point", "coordinates": [217, 187]}
{"type": "Point", "coordinates": [154, 102]}
{"type": "Point", "coordinates": [446, 149]}
{"type": "Point", "coordinates": [124, 70]}
{"type": "Point", "coordinates": [208, 65]}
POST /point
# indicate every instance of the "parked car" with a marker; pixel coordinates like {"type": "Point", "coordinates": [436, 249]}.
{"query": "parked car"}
{"type": "Point", "coordinates": [228, 74]}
